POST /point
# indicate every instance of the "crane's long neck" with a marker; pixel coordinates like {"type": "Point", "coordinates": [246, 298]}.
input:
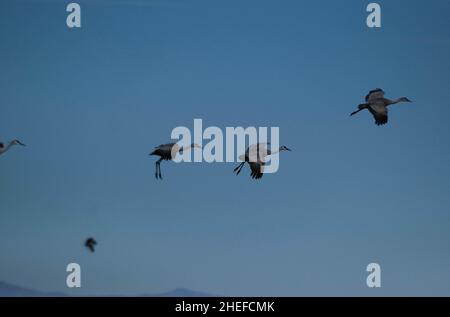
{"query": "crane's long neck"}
{"type": "Point", "coordinates": [393, 102]}
{"type": "Point", "coordinates": [274, 152]}
{"type": "Point", "coordinates": [186, 148]}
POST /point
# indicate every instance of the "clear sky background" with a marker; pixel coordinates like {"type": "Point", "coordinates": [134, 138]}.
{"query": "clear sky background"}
{"type": "Point", "coordinates": [91, 103]}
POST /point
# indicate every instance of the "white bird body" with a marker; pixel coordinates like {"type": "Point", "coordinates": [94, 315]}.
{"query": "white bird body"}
{"type": "Point", "coordinates": [4, 149]}
{"type": "Point", "coordinates": [378, 105]}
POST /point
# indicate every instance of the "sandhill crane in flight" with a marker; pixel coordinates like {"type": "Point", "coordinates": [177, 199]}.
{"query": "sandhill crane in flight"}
{"type": "Point", "coordinates": [90, 244]}
{"type": "Point", "coordinates": [255, 157]}
{"type": "Point", "coordinates": [377, 105]}
{"type": "Point", "coordinates": [167, 152]}
{"type": "Point", "coordinates": [4, 148]}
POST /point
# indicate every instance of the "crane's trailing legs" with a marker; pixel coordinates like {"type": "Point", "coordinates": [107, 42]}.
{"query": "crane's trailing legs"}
{"type": "Point", "coordinates": [158, 169]}
{"type": "Point", "coordinates": [361, 107]}
{"type": "Point", "coordinates": [238, 169]}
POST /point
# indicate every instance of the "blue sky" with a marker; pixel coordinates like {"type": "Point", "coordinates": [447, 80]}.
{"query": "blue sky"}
{"type": "Point", "coordinates": [91, 103]}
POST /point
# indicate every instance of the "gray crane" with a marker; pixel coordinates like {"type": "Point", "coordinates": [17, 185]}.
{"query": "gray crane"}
{"type": "Point", "coordinates": [378, 105]}
{"type": "Point", "coordinates": [4, 148]}
{"type": "Point", "coordinates": [255, 157]}
{"type": "Point", "coordinates": [167, 152]}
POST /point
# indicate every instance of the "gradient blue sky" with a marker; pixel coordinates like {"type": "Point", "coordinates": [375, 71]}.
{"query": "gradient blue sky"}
{"type": "Point", "coordinates": [91, 103]}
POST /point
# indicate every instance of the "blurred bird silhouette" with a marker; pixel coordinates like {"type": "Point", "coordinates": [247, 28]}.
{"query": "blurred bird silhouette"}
{"type": "Point", "coordinates": [90, 244]}
{"type": "Point", "coordinates": [4, 148]}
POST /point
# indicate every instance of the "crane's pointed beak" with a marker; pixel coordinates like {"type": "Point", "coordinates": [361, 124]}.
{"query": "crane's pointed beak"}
{"type": "Point", "coordinates": [21, 143]}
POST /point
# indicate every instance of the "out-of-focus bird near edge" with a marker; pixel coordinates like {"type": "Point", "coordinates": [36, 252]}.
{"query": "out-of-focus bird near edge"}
{"type": "Point", "coordinates": [255, 157]}
{"type": "Point", "coordinates": [377, 105]}
{"type": "Point", "coordinates": [90, 244]}
{"type": "Point", "coordinates": [167, 152]}
{"type": "Point", "coordinates": [4, 148]}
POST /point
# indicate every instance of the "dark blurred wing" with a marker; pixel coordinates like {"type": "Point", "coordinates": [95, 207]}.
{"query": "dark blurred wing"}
{"type": "Point", "coordinates": [165, 147]}
{"type": "Point", "coordinates": [90, 243]}
{"type": "Point", "coordinates": [374, 95]}
{"type": "Point", "coordinates": [164, 151]}
{"type": "Point", "coordinates": [257, 170]}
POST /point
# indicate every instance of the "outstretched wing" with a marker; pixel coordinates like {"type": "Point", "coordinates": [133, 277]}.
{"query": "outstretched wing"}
{"type": "Point", "coordinates": [167, 146]}
{"type": "Point", "coordinates": [257, 170]}
{"type": "Point", "coordinates": [374, 95]}
{"type": "Point", "coordinates": [379, 112]}
{"type": "Point", "coordinates": [165, 151]}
